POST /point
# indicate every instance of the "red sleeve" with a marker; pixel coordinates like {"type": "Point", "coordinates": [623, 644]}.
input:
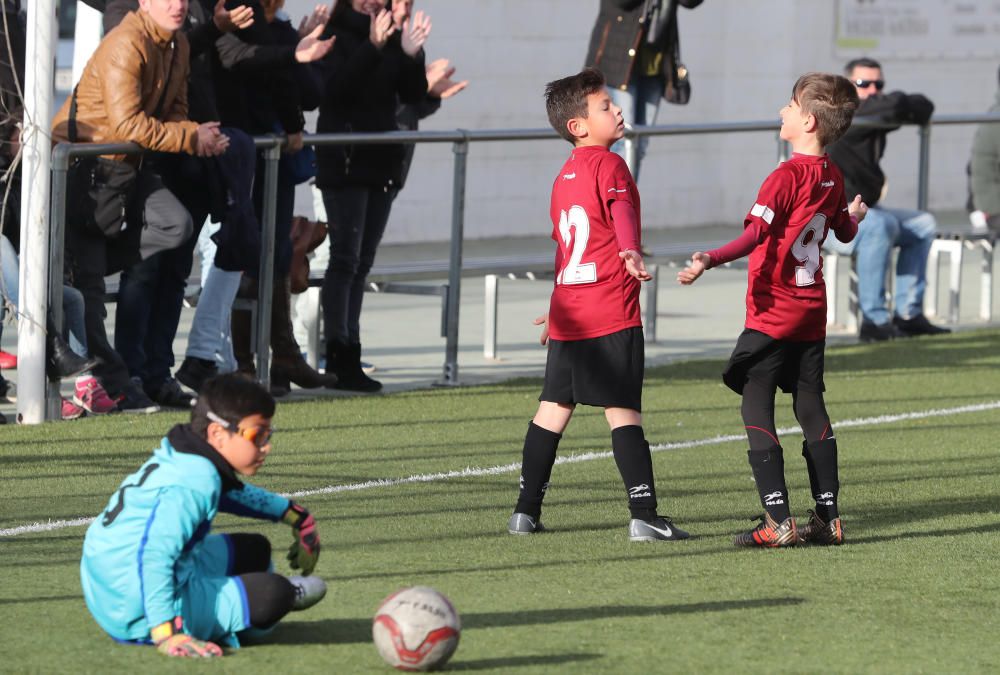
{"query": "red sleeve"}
{"type": "Point", "coordinates": [845, 226]}
{"type": "Point", "coordinates": [753, 235]}
{"type": "Point", "coordinates": [772, 200]}
{"type": "Point", "coordinates": [614, 180]}
{"type": "Point", "coordinates": [626, 225]}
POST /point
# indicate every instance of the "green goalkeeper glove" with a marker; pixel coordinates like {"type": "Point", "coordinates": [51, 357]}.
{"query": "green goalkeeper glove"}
{"type": "Point", "coordinates": [304, 551]}
{"type": "Point", "coordinates": [171, 642]}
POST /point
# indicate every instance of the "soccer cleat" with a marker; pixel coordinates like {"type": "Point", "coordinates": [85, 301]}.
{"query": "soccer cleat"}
{"type": "Point", "coordinates": [308, 591]}
{"type": "Point", "coordinates": [522, 523]}
{"type": "Point", "coordinates": [769, 534]}
{"type": "Point", "coordinates": [90, 395]}
{"type": "Point", "coordinates": [660, 528]}
{"type": "Point", "coordinates": [818, 532]}
{"type": "Point", "coordinates": [71, 411]}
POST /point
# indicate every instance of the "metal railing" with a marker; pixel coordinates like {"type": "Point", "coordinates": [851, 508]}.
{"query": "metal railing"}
{"type": "Point", "coordinates": [460, 139]}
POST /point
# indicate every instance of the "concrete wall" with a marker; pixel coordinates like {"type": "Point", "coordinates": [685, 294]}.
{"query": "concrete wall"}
{"type": "Point", "coordinates": [744, 56]}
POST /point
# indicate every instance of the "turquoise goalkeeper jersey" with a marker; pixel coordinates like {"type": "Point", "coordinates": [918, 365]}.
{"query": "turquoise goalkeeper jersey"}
{"type": "Point", "coordinates": [140, 552]}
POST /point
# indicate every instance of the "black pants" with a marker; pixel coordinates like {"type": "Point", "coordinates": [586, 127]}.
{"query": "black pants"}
{"type": "Point", "coordinates": [156, 222]}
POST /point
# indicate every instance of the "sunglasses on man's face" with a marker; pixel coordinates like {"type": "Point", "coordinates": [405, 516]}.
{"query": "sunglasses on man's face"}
{"type": "Point", "coordinates": [864, 84]}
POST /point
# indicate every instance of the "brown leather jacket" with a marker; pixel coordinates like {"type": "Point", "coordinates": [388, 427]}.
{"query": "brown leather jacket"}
{"type": "Point", "coordinates": [122, 85]}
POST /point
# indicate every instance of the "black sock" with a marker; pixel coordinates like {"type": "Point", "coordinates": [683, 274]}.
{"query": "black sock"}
{"type": "Point", "coordinates": [269, 597]}
{"type": "Point", "coordinates": [539, 455]}
{"type": "Point", "coordinates": [769, 473]}
{"type": "Point", "coordinates": [248, 553]}
{"type": "Point", "coordinates": [821, 460]}
{"type": "Point", "coordinates": [635, 464]}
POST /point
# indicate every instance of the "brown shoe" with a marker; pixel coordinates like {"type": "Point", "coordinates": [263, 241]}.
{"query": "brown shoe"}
{"type": "Point", "coordinates": [818, 532]}
{"type": "Point", "coordinates": [770, 534]}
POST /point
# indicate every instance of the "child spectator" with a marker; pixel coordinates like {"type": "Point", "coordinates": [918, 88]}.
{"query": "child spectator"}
{"type": "Point", "coordinates": [152, 573]}
{"type": "Point", "coordinates": [593, 328]}
{"type": "Point", "coordinates": [785, 335]}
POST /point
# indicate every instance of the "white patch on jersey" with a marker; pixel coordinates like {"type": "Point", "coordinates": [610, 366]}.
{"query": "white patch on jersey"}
{"type": "Point", "coordinates": [569, 176]}
{"type": "Point", "coordinates": [762, 212]}
{"type": "Point", "coordinates": [827, 183]}
{"type": "Point", "coordinates": [616, 190]}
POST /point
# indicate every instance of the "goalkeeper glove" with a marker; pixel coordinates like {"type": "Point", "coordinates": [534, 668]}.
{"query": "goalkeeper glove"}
{"type": "Point", "coordinates": [171, 642]}
{"type": "Point", "coordinates": [304, 551]}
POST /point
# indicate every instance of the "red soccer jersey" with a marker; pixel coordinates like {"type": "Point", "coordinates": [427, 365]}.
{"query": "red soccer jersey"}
{"type": "Point", "coordinates": [594, 295]}
{"type": "Point", "coordinates": [798, 204]}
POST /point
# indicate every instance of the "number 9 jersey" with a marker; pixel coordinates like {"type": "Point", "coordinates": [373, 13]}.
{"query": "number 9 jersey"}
{"type": "Point", "coordinates": [594, 295]}
{"type": "Point", "coordinates": [798, 204]}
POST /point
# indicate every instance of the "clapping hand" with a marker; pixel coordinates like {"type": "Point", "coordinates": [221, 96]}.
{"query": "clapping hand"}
{"type": "Point", "coordinates": [415, 32]}
{"type": "Point", "coordinates": [228, 20]}
{"type": "Point", "coordinates": [381, 28]}
{"type": "Point", "coordinates": [320, 15]}
{"type": "Point", "coordinates": [311, 48]}
{"type": "Point", "coordinates": [439, 82]}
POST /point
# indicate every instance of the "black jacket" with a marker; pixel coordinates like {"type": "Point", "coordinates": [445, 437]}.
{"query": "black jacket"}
{"type": "Point", "coordinates": [621, 27]}
{"type": "Point", "coordinates": [362, 87]}
{"type": "Point", "coordinates": [859, 151]}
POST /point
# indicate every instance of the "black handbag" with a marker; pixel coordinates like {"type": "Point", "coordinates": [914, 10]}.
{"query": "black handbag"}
{"type": "Point", "coordinates": [677, 83]}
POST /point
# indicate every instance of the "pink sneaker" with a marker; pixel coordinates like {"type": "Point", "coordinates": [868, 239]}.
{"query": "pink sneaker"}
{"type": "Point", "coordinates": [71, 411]}
{"type": "Point", "coordinates": [90, 396]}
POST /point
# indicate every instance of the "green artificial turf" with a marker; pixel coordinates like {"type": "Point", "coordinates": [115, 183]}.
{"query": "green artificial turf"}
{"type": "Point", "coordinates": [914, 589]}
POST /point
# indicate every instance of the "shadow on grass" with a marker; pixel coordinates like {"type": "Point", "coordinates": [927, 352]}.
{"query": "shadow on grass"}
{"type": "Point", "coordinates": [520, 661]}
{"type": "Point", "coordinates": [347, 631]}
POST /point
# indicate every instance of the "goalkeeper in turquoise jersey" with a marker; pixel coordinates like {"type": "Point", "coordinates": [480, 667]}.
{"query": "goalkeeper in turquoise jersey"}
{"type": "Point", "coordinates": [152, 573]}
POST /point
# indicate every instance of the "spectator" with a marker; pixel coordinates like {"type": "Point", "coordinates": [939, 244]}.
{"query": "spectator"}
{"type": "Point", "coordinates": [633, 42]}
{"type": "Point", "coordinates": [984, 172]}
{"type": "Point", "coordinates": [134, 88]}
{"type": "Point", "coordinates": [371, 69]}
{"type": "Point", "coordinates": [858, 154]}
{"type": "Point", "coordinates": [276, 100]}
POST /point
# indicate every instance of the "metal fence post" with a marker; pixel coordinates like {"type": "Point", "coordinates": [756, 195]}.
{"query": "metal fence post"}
{"type": "Point", "coordinates": [265, 277]}
{"type": "Point", "coordinates": [450, 375]}
{"type": "Point", "coordinates": [923, 168]}
{"type": "Point", "coordinates": [57, 238]}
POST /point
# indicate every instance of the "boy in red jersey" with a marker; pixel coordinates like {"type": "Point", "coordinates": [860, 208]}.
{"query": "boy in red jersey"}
{"type": "Point", "coordinates": [785, 335]}
{"type": "Point", "coordinates": [593, 328]}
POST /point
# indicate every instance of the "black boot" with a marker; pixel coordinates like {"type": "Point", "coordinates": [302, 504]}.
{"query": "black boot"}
{"type": "Point", "coordinates": [344, 360]}
{"type": "Point", "coordinates": [287, 364]}
{"type": "Point", "coordinates": [62, 362]}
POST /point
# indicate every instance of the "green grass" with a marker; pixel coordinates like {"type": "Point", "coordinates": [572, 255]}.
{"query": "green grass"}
{"type": "Point", "coordinates": [915, 589]}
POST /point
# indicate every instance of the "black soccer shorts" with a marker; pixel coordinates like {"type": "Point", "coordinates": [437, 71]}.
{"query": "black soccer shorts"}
{"type": "Point", "coordinates": [793, 366]}
{"type": "Point", "coordinates": [605, 371]}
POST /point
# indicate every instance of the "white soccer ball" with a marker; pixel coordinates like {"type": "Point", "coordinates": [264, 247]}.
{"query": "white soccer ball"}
{"type": "Point", "coordinates": [416, 628]}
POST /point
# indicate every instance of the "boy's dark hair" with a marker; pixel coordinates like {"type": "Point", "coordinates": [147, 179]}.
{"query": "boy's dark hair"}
{"type": "Point", "coordinates": [863, 62]}
{"type": "Point", "coordinates": [232, 397]}
{"type": "Point", "coordinates": [831, 99]}
{"type": "Point", "coordinates": [567, 98]}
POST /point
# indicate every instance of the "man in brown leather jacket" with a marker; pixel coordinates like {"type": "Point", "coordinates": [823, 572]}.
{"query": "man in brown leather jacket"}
{"type": "Point", "coordinates": [133, 89]}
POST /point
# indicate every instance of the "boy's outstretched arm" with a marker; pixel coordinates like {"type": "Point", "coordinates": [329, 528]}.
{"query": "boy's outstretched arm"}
{"type": "Point", "coordinates": [699, 263]}
{"type": "Point", "coordinates": [543, 321]}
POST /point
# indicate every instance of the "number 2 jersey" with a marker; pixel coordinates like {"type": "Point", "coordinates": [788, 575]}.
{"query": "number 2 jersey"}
{"type": "Point", "coordinates": [797, 206]}
{"type": "Point", "coordinates": [594, 295]}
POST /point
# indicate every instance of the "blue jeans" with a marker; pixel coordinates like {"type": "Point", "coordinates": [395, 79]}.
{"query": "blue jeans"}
{"type": "Point", "coordinates": [358, 216]}
{"type": "Point", "coordinates": [882, 230]}
{"type": "Point", "coordinates": [72, 299]}
{"type": "Point", "coordinates": [639, 103]}
{"type": "Point", "coordinates": [210, 337]}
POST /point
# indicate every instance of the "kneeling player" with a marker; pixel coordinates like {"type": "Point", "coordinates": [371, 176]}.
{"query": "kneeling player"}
{"type": "Point", "coordinates": [596, 348]}
{"type": "Point", "coordinates": [152, 573]}
{"type": "Point", "coordinates": [785, 336]}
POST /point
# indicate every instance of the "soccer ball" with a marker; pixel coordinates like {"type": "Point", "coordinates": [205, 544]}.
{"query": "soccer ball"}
{"type": "Point", "coordinates": [416, 629]}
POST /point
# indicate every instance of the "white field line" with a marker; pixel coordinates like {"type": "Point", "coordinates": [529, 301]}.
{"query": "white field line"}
{"type": "Point", "coordinates": [473, 472]}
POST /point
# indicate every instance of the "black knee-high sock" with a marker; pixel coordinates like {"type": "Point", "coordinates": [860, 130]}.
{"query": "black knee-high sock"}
{"type": "Point", "coordinates": [269, 597]}
{"type": "Point", "coordinates": [539, 455]}
{"type": "Point", "coordinates": [769, 473]}
{"type": "Point", "coordinates": [635, 464]}
{"type": "Point", "coordinates": [821, 460]}
{"type": "Point", "coordinates": [248, 553]}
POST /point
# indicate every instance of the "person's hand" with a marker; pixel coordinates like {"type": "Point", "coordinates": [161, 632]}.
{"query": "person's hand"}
{"type": "Point", "coordinates": [634, 264]}
{"type": "Point", "coordinates": [381, 28]}
{"type": "Point", "coordinates": [415, 32]}
{"type": "Point", "coordinates": [699, 263]}
{"type": "Point", "coordinates": [320, 15]}
{"type": "Point", "coordinates": [311, 48]}
{"type": "Point", "coordinates": [228, 20]}
{"type": "Point", "coordinates": [439, 82]}
{"type": "Point", "coordinates": [304, 551]}
{"type": "Point", "coordinates": [857, 208]}
{"type": "Point", "coordinates": [180, 644]}
{"type": "Point", "coordinates": [294, 143]}
{"type": "Point", "coordinates": [543, 321]}
{"type": "Point", "coordinates": [211, 141]}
